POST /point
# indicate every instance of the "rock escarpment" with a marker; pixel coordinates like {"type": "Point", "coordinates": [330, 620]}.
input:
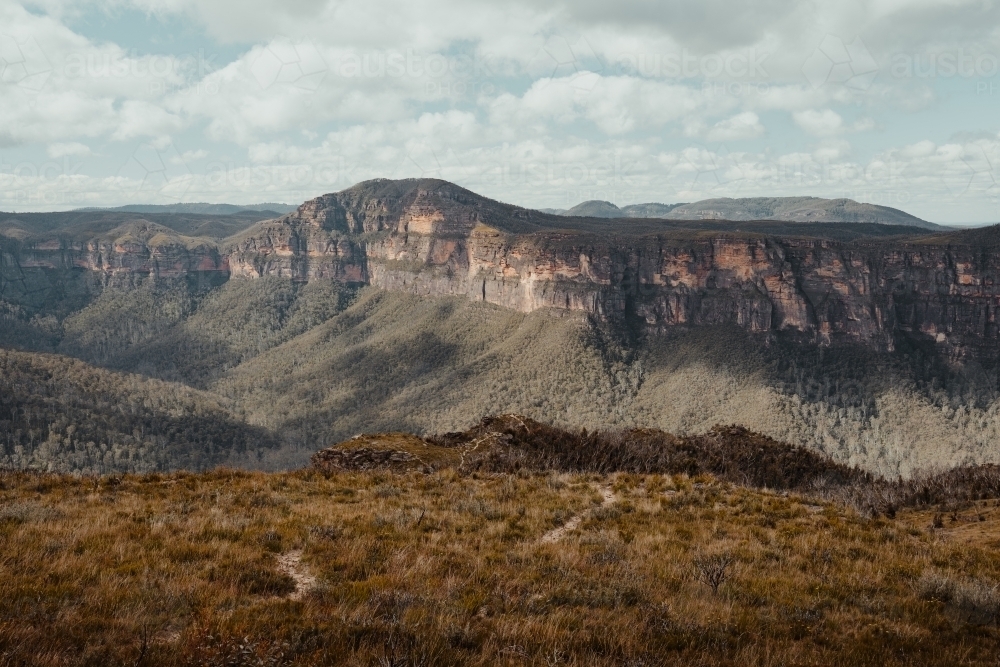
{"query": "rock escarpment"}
{"type": "Point", "coordinates": [138, 247]}
{"type": "Point", "coordinates": [433, 238]}
{"type": "Point", "coordinates": [430, 237]}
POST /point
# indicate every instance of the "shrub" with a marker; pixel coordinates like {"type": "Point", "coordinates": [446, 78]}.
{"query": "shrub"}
{"type": "Point", "coordinates": [977, 602]}
{"type": "Point", "coordinates": [712, 570]}
{"type": "Point", "coordinates": [935, 586]}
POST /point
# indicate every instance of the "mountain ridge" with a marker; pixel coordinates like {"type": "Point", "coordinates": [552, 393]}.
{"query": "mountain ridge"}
{"type": "Point", "coordinates": [197, 208]}
{"type": "Point", "coordinates": [432, 237]}
{"type": "Point", "coordinates": [788, 209]}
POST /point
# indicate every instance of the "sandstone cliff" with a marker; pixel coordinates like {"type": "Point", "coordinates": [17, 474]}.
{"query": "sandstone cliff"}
{"type": "Point", "coordinates": [137, 247]}
{"type": "Point", "coordinates": [431, 237]}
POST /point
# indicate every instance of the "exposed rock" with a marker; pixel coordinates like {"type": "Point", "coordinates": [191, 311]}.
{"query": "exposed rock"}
{"type": "Point", "coordinates": [433, 238]}
{"type": "Point", "coordinates": [138, 247]}
{"type": "Point", "coordinates": [337, 459]}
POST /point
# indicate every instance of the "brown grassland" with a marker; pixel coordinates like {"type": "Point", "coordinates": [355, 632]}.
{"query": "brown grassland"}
{"type": "Point", "coordinates": [410, 567]}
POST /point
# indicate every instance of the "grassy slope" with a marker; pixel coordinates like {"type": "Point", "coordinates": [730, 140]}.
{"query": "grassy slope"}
{"type": "Point", "coordinates": [184, 333]}
{"type": "Point", "coordinates": [396, 362]}
{"type": "Point", "coordinates": [297, 568]}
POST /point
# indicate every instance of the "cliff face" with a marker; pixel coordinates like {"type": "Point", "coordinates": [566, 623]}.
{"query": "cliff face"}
{"type": "Point", "coordinates": [297, 248]}
{"type": "Point", "coordinates": [433, 238]}
{"type": "Point", "coordinates": [140, 247]}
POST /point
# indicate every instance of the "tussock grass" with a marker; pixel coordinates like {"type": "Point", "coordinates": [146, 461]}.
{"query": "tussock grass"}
{"type": "Point", "coordinates": [448, 568]}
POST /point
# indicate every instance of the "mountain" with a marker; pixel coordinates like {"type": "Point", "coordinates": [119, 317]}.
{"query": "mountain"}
{"type": "Point", "coordinates": [651, 210]}
{"type": "Point", "coordinates": [81, 226]}
{"type": "Point", "coordinates": [797, 209]}
{"type": "Point", "coordinates": [199, 208]}
{"type": "Point", "coordinates": [419, 305]}
{"type": "Point", "coordinates": [595, 209]}
{"type": "Point", "coordinates": [787, 209]}
{"type": "Point", "coordinates": [605, 209]}
{"type": "Point", "coordinates": [432, 237]}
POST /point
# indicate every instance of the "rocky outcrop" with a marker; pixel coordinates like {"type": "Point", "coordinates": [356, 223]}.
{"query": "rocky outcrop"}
{"type": "Point", "coordinates": [335, 459]}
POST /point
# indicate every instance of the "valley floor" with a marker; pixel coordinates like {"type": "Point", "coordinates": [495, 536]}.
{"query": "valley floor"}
{"type": "Point", "coordinates": [362, 568]}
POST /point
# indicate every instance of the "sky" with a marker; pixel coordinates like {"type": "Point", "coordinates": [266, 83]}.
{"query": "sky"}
{"type": "Point", "coordinates": [543, 103]}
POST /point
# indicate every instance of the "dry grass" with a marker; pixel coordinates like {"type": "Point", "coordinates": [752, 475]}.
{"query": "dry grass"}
{"type": "Point", "coordinates": [234, 568]}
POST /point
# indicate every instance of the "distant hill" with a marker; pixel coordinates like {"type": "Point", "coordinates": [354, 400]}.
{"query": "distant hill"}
{"type": "Point", "coordinates": [605, 209]}
{"type": "Point", "coordinates": [652, 210]}
{"type": "Point", "coordinates": [785, 209]}
{"type": "Point", "coordinates": [198, 208]}
{"type": "Point", "coordinates": [84, 225]}
{"type": "Point", "coordinates": [797, 209]}
{"type": "Point", "coordinates": [595, 209]}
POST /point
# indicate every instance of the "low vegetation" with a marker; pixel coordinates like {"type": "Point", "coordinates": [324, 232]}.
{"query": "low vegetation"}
{"type": "Point", "coordinates": [513, 443]}
{"type": "Point", "coordinates": [507, 544]}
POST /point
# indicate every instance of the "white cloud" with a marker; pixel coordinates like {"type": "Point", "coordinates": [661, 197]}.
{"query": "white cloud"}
{"type": "Point", "coordinates": [614, 104]}
{"type": "Point", "coordinates": [819, 123]}
{"type": "Point", "coordinates": [828, 123]}
{"type": "Point", "coordinates": [523, 99]}
{"type": "Point", "coordinates": [832, 150]}
{"type": "Point", "coordinates": [50, 116]}
{"type": "Point", "coordinates": [862, 125]}
{"type": "Point", "coordinates": [73, 148]}
{"type": "Point", "coordinates": [143, 119]}
{"type": "Point", "coordinates": [920, 149]}
{"type": "Point", "coordinates": [191, 156]}
{"type": "Point", "coordinates": [57, 85]}
{"type": "Point", "coordinates": [744, 125]}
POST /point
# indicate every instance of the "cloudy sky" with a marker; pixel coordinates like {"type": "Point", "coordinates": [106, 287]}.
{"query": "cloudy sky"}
{"type": "Point", "coordinates": [541, 103]}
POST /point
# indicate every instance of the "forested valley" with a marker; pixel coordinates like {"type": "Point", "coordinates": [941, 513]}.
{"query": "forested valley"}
{"type": "Point", "coordinates": [142, 374]}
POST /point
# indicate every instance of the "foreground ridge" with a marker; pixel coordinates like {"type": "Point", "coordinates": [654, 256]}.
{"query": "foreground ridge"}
{"type": "Point", "coordinates": [451, 561]}
{"type": "Point", "coordinates": [512, 443]}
